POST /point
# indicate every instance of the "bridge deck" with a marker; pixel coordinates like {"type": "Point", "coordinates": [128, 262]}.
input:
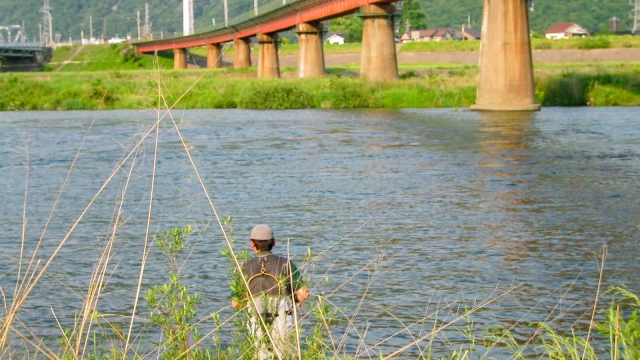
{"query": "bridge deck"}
{"type": "Point", "coordinates": [281, 18]}
{"type": "Point", "coordinates": [26, 49]}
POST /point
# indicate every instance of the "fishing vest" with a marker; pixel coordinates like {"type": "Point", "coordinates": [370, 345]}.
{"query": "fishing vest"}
{"type": "Point", "coordinates": [268, 275]}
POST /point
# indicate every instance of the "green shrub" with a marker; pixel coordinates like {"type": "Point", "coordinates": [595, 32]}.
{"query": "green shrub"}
{"type": "Point", "coordinates": [343, 92]}
{"type": "Point", "coordinates": [278, 94]}
{"type": "Point", "coordinates": [569, 89]}
{"type": "Point", "coordinates": [597, 42]}
{"type": "Point", "coordinates": [172, 307]}
{"type": "Point", "coordinates": [408, 75]}
{"type": "Point", "coordinates": [604, 89]}
{"type": "Point", "coordinates": [622, 323]}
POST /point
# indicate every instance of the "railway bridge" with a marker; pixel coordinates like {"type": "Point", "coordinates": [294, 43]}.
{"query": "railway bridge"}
{"type": "Point", "coordinates": [505, 80]}
{"type": "Point", "coordinates": [17, 52]}
{"type": "Point", "coordinates": [23, 55]}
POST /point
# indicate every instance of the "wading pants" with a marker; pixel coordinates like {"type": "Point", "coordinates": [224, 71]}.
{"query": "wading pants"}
{"type": "Point", "coordinates": [278, 324]}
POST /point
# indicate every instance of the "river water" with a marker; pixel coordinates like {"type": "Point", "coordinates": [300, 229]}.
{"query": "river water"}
{"type": "Point", "coordinates": [411, 215]}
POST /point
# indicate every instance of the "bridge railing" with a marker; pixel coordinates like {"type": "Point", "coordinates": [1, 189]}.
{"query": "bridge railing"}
{"type": "Point", "coordinates": [22, 45]}
{"type": "Point", "coordinates": [244, 17]}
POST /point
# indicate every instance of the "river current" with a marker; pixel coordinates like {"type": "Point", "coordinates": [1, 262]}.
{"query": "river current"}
{"type": "Point", "coordinates": [410, 215]}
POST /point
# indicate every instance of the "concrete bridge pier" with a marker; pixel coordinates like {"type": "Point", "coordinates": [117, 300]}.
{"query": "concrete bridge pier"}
{"type": "Point", "coordinates": [214, 56]}
{"type": "Point", "coordinates": [379, 60]}
{"type": "Point", "coordinates": [180, 58]}
{"type": "Point", "coordinates": [268, 63]}
{"type": "Point", "coordinates": [310, 51]}
{"type": "Point", "coordinates": [242, 58]}
{"type": "Point", "coordinates": [505, 79]}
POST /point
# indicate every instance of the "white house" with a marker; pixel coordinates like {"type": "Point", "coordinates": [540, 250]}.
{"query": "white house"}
{"type": "Point", "coordinates": [440, 34]}
{"type": "Point", "coordinates": [115, 40]}
{"type": "Point", "coordinates": [335, 38]}
{"type": "Point", "coordinates": [565, 30]}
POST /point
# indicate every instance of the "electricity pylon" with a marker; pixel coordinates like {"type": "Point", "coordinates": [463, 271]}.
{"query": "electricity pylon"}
{"type": "Point", "coordinates": [47, 26]}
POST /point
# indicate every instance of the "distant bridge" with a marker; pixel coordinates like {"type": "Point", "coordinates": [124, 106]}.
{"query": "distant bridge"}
{"type": "Point", "coordinates": [17, 53]}
{"type": "Point", "coordinates": [505, 80]}
{"type": "Point", "coordinates": [23, 56]}
{"type": "Point", "coordinates": [23, 49]}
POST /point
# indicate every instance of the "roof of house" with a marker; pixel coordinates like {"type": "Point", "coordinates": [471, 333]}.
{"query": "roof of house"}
{"type": "Point", "coordinates": [472, 32]}
{"type": "Point", "coordinates": [332, 34]}
{"type": "Point", "coordinates": [560, 27]}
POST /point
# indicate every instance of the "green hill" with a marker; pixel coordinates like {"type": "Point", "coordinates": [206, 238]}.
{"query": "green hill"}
{"type": "Point", "coordinates": [593, 15]}
{"type": "Point", "coordinates": [111, 17]}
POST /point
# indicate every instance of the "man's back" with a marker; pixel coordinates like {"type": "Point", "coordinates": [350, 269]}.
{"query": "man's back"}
{"type": "Point", "coordinates": [268, 274]}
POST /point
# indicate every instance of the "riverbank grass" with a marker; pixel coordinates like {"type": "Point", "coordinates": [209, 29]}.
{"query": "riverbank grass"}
{"type": "Point", "coordinates": [420, 86]}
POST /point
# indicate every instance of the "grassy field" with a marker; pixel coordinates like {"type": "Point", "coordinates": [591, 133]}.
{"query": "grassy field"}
{"type": "Point", "coordinates": [106, 58]}
{"type": "Point", "coordinates": [420, 86]}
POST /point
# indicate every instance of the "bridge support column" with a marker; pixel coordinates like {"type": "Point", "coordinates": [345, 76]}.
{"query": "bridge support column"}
{"type": "Point", "coordinates": [214, 56]}
{"type": "Point", "coordinates": [310, 52]}
{"type": "Point", "coordinates": [268, 64]}
{"type": "Point", "coordinates": [242, 57]}
{"type": "Point", "coordinates": [379, 60]}
{"type": "Point", "coordinates": [505, 79]}
{"type": "Point", "coordinates": [179, 58]}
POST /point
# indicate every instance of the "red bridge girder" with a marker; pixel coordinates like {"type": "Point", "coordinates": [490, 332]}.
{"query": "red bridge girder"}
{"type": "Point", "coordinates": [282, 18]}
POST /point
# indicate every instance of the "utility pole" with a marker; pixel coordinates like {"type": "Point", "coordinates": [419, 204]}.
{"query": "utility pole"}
{"type": "Point", "coordinates": [91, 39]}
{"type": "Point", "coordinates": [138, 14]}
{"type": "Point", "coordinates": [636, 16]}
{"type": "Point", "coordinates": [255, 7]}
{"type": "Point", "coordinates": [226, 14]}
{"type": "Point", "coordinates": [146, 21]}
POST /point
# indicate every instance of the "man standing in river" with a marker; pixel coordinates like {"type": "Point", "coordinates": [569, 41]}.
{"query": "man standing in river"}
{"type": "Point", "coordinates": [275, 286]}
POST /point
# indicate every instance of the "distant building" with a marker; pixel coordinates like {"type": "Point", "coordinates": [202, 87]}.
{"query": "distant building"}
{"type": "Point", "coordinates": [470, 34]}
{"type": "Point", "coordinates": [116, 40]}
{"type": "Point", "coordinates": [565, 30]}
{"type": "Point", "coordinates": [441, 34]}
{"type": "Point", "coordinates": [335, 38]}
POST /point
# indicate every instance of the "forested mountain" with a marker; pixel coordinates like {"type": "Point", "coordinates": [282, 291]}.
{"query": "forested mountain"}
{"type": "Point", "coordinates": [593, 15]}
{"type": "Point", "coordinates": [119, 16]}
